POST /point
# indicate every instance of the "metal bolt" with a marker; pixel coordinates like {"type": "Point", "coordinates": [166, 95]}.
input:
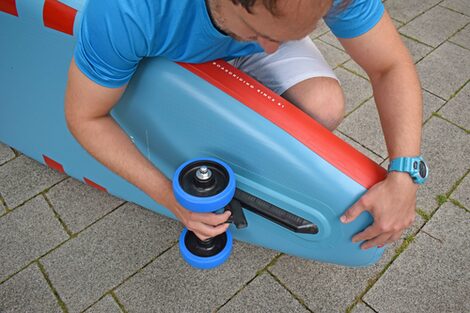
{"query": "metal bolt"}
{"type": "Point", "coordinates": [203, 173]}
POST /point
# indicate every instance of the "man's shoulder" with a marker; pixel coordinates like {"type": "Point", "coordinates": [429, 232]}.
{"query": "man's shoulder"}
{"type": "Point", "coordinates": [352, 18]}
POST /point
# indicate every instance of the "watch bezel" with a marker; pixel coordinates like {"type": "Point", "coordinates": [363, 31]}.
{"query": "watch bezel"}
{"type": "Point", "coordinates": [422, 167]}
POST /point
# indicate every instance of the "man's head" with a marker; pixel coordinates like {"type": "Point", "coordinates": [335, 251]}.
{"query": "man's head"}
{"type": "Point", "coordinates": [269, 22]}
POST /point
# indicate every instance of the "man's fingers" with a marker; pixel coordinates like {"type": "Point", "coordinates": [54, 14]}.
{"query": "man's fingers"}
{"type": "Point", "coordinates": [377, 241]}
{"type": "Point", "coordinates": [380, 239]}
{"type": "Point", "coordinates": [207, 225]}
{"type": "Point", "coordinates": [369, 233]}
{"type": "Point", "coordinates": [353, 211]}
{"type": "Point", "coordinates": [212, 218]}
{"type": "Point", "coordinates": [203, 231]}
{"type": "Point", "coordinates": [394, 237]}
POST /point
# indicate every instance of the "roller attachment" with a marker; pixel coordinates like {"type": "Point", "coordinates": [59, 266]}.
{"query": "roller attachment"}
{"type": "Point", "coordinates": [204, 185]}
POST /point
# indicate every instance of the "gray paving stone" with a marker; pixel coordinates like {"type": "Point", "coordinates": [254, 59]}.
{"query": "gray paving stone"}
{"type": "Point", "coordinates": [80, 205]}
{"type": "Point", "coordinates": [102, 256]}
{"type": "Point", "coordinates": [446, 149]}
{"type": "Point", "coordinates": [432, 274]}
{"type": "Point", "coordinates": [27, 292]}
{"type": "Point", "coordinates": [322, 287]}
{"type": "Point", "coordinates": [443, 71]}
{"type": "Point", "coordinates": [332, 55]}
{"type": "Point", "coordinates": [263, 294]}
{"type": "Point", "coordinates": [105, 305]}
{"type": "Point", "coordinates": [405, 10]}
{"type": "Point", "coordinates": [397, 23]}
{"type": "Point", "coordinates": [462, 37]}
{"type": "Point", "coordinates": [363, 125]}
{"type": "Point", "coordinates": [435, 26]}
{"type": "Point", "coordinates": [356, 89]}
{"type": "Point", "coordinates": [462, 193]}
{"type": "Point", "coordinates": [354, 67]}
{"type": "Point", "coordinates": [392, 249]}
{"type": "Point", "coordinates": [319, 30]}
{"type": "Point", "coordinates": [362, 308]}
{"type": "Point", "coordinates": [458, 108]}
{"type": "Point", "coordinates": [417, 50]}
{"type": "Point", "coordinates": [22, 178]}
{"type": "Point", "coordinates": [457, 5]}
{"type": "Point", "coordinates": [331, 288]}
{"type": "Point", "coordinates": [431, 104]}
{"type": "Point", "coordinates": [27, 233]}
{"type": "Point", "coordinates": [449, 225]}
{"type": "Point", "coordinates": [332, 40]}
{"type": "Point", "coordinates": [171, 285]}
{"type": "Point", "coordinates": [6, 154]}
{"type": "Point", "coordinates": [360, 148]}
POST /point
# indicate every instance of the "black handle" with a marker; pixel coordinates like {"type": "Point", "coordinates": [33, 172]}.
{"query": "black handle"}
{"type": "Point", "coordinates": [237, 217]}
{"type": "Point", "coordinates": [275, 214]}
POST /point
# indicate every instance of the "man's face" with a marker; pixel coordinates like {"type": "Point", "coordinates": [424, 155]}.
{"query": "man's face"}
{"type": "Point", "coordinates": [294, 20]}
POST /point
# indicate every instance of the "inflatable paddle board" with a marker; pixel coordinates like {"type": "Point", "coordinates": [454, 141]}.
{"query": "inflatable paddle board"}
{"type": "Point", "coordinates": [302, 177]}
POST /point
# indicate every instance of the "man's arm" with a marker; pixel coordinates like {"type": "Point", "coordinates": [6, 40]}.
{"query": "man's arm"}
{"type": "Point", "coordinates": [382, 54]}
{"type": "Point", "coordinates": [87, 108]}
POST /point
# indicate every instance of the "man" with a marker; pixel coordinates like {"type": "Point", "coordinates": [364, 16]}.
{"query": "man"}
{"type": "Point", "coordinates": [116, 34]}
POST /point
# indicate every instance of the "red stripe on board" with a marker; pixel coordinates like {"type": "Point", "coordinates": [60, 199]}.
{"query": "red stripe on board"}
{"type": "Point", "coordinates": [93, 184]}
{"type": "Point", "coordinates": [9, 6]}
{"type": "Point", "coordinates": [58, 16]}
{"type": "Point", "coordinates": [291, 119]}
{"type": "Point", "coordinates": [53, 164]}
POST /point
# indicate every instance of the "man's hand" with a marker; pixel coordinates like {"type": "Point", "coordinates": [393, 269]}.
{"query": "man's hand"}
{"type": "Point", "coordinates": [205, 225]}
{"type": "Point", "coordinates": [392, 204]}
{"type": "Point", "coordinates": [397, 93]}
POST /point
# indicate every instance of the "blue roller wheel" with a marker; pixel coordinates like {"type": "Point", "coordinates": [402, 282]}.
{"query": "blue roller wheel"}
{"type": "Point", "coordinates": [205, 255]}
{"type": "Point", "coordinates": [204, 185]}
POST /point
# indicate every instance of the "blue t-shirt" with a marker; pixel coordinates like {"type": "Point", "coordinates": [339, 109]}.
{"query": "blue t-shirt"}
{"type": "Point", "coordinates": [116, 34]}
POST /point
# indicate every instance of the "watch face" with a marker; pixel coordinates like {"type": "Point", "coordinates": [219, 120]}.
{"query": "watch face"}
{"type": "Point", "coordinates": [422, 169]}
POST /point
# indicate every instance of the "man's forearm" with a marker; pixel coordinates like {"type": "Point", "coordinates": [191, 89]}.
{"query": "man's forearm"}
{"type": "Point", "coordinates": [398, 97]}
{"type": "Point", "coordinates": [108, 143]}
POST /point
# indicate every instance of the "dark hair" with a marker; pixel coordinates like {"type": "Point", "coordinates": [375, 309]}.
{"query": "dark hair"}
{"type": "Point", "coordinates": [248, 4]}
{"type": "Point", "coordinates": [271, 5]}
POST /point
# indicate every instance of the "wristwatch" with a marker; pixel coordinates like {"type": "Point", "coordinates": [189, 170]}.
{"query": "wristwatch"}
{"type": "Point", "coordinates": [415, 166]}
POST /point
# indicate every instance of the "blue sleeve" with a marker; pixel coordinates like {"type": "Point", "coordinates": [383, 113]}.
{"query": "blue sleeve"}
{"type": "Point", "coordinates": [357, 18]}
{"type": "Point", "coordinates": [113, 38]}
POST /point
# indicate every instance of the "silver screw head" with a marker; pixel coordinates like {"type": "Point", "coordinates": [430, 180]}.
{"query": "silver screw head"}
{"type": "Point", "coordinates": [203, 173]}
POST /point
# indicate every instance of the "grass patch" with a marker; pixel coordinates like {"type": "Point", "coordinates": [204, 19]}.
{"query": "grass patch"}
{"type": "Point", "coordinates": [441, 199]}
{"type": "Point", "coordinates": [423, 214]}
{"type": "Point", "coordinates": [457, 203]}
{"type": "Point", "coordinates": [406, 242]}
{"type": "Point", "coordinates": [272, 263]}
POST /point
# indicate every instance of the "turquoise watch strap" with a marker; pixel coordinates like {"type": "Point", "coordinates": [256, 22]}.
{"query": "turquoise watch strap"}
{"type": "Point", "coordinates": [415, 166]}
